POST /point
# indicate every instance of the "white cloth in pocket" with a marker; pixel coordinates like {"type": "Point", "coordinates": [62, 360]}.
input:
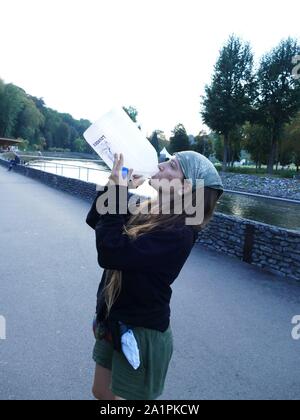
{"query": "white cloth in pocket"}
{"type": "Point", "coordinates": [130, 346]}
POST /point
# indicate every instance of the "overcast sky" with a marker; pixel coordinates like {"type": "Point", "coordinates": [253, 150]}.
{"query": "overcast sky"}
{"type": "Point", "coordinates": [85, 56]}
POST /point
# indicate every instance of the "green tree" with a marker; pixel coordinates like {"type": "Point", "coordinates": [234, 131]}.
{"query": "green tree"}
{"type": "Point", "coordinates": [154, 141]}
{"type": "Point", "coordinates": [255, 140]}
{"type": "Point", "coordinates": [278, 97]}
{"type": "Point", "coordinates": [11, 104]}
{"type": "Point", "coordinates": [79, 145]}
{"type": "Point", "coordinates": [24, 145]}
{"type": "Point", "coordinates": [39, 144]}
{"type": "Point", "coordinates": [291, 140]}
{"type": "Point", "coordinates": [81, 126]}
{"type": "Point", "coordinates": [218, 146]}
{"type": "Point", "coordinates": [2, 90]}
{"type": "Point", "coordinates": [52, 122]}
{"type": "Point", "coordinates": [286, 155]}
{"type": "Point", "coordinates": [132, 112]}
{"type": "Point", "coordinates": [2, 87]}
{"type": "Point", "coordinates": [162, 140]}
{"type": "Point", "coordinates": [29, 121]}
{"type": "Point", "coordinates": [234, 145]}
{"type": "Point", "coordinates": [39, 103]}
{"type": "Point", "coordinates": [180, 140]}
{"type": "Point", "coordinates": [62, 135]}
{"type": "Point", "coordinates": [203, 144]}
{"type": "Point", "coordinates": [23, 115]}
{"type": "Point", "coordinates": [227, 101]}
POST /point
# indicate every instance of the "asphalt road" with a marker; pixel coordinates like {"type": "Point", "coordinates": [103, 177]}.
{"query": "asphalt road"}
{"type": "Point", "coordinates": [231, 322]}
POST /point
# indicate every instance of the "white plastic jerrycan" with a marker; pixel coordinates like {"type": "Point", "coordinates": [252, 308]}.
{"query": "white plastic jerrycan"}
{"type": "Point", "coordinates": [115, 132]}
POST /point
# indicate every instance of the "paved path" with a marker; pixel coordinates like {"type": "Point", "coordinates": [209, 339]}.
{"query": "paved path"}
{"type": "Point", "coordinates": [231, 322]}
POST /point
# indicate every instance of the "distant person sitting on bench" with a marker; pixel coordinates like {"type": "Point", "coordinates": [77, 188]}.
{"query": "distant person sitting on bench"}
{"type": "Point", "coordinates": [14, 162]}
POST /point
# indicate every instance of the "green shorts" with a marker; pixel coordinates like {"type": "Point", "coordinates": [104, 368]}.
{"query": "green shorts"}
{"type": "Point", "coordinates": [146, 382]}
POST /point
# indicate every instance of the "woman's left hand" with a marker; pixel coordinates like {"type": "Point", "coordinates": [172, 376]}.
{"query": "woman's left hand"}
{"type": "Point", "coordinates": [116, 177]}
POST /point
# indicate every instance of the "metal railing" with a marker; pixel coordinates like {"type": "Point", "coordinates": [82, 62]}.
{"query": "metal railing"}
{"type": "Point", "coordinates": [29, 157]}
{"type": "Point", "coordinates": [59, 168]}
{"type": "Point", "coordinates": [44, 163]}
{"type": "Point", "coordinates": [40, 157]}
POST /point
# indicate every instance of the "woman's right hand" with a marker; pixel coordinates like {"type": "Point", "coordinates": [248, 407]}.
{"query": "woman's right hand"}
{"type": "Point", "coordinates": [136, 181]}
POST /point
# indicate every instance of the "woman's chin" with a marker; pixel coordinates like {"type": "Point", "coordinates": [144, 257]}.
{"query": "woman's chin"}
{"type": "Point", "coordinates": [153, 182]}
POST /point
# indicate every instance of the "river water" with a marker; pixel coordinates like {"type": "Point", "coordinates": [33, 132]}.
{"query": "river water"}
{"type": "Point", "coordinates": [270, 211]}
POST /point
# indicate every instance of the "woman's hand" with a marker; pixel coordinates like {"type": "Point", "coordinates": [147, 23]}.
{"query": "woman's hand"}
{"type": "Point", "coordinates": [116, 177]}
{"type": "Point", "coordinates": [136, 181]}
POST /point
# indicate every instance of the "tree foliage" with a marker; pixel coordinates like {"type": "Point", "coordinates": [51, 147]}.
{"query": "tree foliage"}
{"type": "Point", "coordinates": [180, 140]}
{"type": "Point", "coordinates": [27, 117]}
{"type": "Point", "coordinates": [227, 101]}
{"type": "Point", "coordinates": [278, 96]}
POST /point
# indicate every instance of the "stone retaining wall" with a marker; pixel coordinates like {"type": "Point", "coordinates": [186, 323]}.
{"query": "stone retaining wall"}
{"type": "Point", "coordinates": [273, 249]}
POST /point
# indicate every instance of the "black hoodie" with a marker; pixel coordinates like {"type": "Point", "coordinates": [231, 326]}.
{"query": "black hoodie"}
{"type": "Point", "coordinates": [149, 266]}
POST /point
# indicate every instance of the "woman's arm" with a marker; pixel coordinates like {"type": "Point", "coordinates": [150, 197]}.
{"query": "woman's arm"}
{"type": "Point", "coordinates": [93, 216]}
{"type": "Point", "coordinates": [151, 251]}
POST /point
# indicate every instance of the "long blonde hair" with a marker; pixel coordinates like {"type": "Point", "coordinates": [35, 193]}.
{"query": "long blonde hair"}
{"type": "Point", "coordinates": [142, 223]}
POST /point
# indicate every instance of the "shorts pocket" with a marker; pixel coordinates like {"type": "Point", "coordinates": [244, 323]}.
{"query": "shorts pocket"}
{"type": "Point", "coordinates": [138, 335]}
